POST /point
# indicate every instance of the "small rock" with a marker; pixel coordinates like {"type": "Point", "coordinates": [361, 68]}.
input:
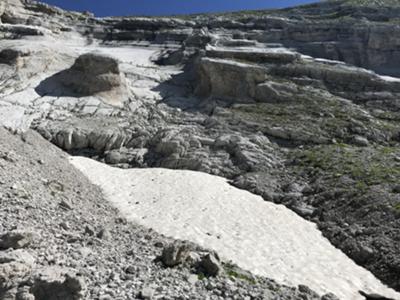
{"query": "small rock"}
{"type": "Point", "coordinates": [193, 279]}
{"type": "Point", "coordinates": [360, 141]}
{"type": "Point", "coordinates": [303, 210]}
{"type": "Point", "coordinates": [65, 204]}
{"type": "Point", "coordinates": [364, 253]}
{"type": "Point", "coordinates": [211, 265]}
{"type": "Point", "coordinates": [147, 293]}
{"type": "Point", "coordinates": [304, 289]}
{"type": "Point", "coordinates": [89, 230]}
{"type": "Point", "coordinates": [8, 156]}
{"type": "Point", "coordinates": [64, 225]}
{"type": "Point", "coordinates": [159, 244]}
{"type": "Point", "coordinates": [329, 296]}
{"type": "Point", "coordinates": [121, 220]}
{"type": "Point", "coordinates": [24, 294]}
{"type": "Point", "coordinates": [193, 258]}
{"type": "Point", "coordinates": [293, 188]}
{"type": "Point", "coordinates": [174, 254]}
{"type": "Point", "coordinates": [396, 189]}
{"type": "Point", "coordinates": [130, 270]}
{"type": "Point", "coordinates": [104, 234]}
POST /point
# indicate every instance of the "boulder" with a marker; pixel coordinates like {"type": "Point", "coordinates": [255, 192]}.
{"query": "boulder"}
{"type": "Point", "coordinates": [210, 265]}
{"type": "Point", "coordinates": [55, 283]}
{"type": "Point", "coordinates": [147, 293]}
{"type": "Point", "coordinates": [16, 239]}
{"type": "Point", "coordinates": [92, 74]}
{"type": "Point", "coordinates": [175, 254]}
{"type": "Point", "coordinates": [360, 141]}
{"type": "Point", "coordinates": [275, 92]}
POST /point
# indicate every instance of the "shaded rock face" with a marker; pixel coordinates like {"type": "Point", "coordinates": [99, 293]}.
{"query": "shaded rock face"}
{"type": "Point", "coordinates": [9, 56]}
{"type": "Point", "coordinates": [91, 74]}
{"type": "Point", "coordinates": [2, 9]}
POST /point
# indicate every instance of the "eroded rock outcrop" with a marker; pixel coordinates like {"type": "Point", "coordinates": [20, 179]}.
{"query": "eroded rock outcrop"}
{"type": "Point", "coordinates": [91, 74]}
{"type": "Point", "coordinates": [229, 79]}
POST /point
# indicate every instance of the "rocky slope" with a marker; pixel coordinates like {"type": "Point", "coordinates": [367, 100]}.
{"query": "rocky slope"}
{"type": "Point", "coordinates": [276, 101]}
{"type": "Point", "coordinates": [61, 240]}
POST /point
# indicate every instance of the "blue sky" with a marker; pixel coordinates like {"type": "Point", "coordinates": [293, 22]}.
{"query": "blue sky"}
{"type": "Point", "coordinates": [168, 7]}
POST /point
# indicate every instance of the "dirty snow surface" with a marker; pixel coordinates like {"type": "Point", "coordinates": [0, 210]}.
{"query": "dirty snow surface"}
{"type": "Point", "coordinates": [262, 237]}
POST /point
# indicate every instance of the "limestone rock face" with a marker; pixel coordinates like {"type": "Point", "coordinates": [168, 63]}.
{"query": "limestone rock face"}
{"type": "Point", "coordinates": [253, 54]}
{"type": "Point", "coordinates": [229, 79]}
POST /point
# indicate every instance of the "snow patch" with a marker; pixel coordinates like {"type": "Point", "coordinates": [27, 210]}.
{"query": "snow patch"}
{"type": "Point", "coordinates": [265, 238]}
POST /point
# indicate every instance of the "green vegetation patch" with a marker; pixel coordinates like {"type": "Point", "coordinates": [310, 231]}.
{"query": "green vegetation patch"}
{"type": "Point", "coordinates": [232, 271]}
{"type": "Point", "coordinates": [315, 118]}
{"type": "Point", "coordinates": [367, 166]}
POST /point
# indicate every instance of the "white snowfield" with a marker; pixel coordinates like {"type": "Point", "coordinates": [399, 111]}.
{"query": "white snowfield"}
{"type": "Point", "coordinates": [262, 237]}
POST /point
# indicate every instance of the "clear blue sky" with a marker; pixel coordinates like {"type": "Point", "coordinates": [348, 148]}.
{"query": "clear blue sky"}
{"type": "Point", "coordinates": [167, 7]}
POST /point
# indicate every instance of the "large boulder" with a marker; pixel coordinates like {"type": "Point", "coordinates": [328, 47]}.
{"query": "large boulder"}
{"type": "Point", "coordinates": [175, 254]}
{"type": "Point", "coordinates": [92, 74]}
